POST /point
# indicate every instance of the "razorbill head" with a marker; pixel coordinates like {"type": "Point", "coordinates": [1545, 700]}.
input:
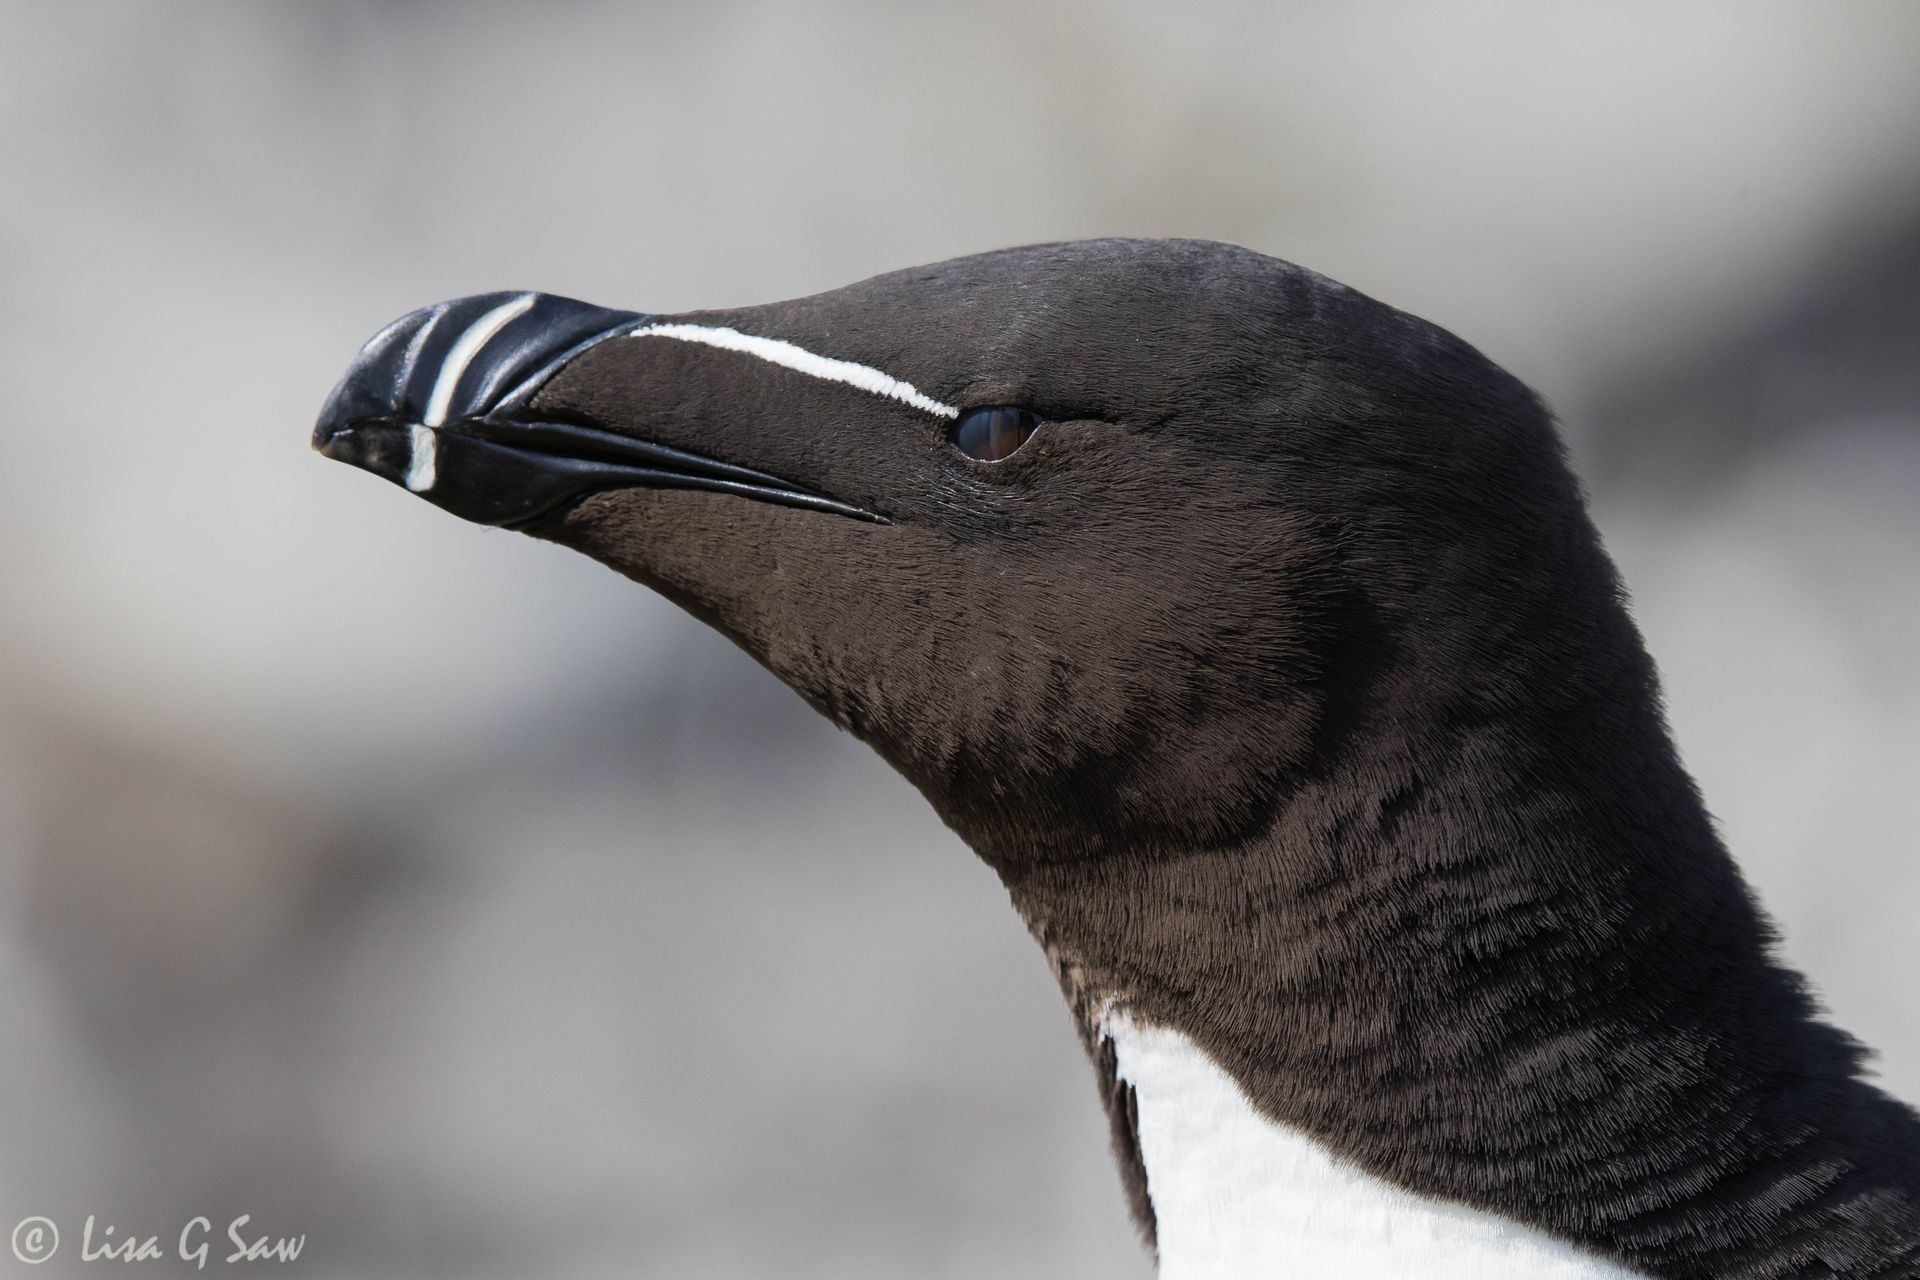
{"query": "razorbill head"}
{"type": "Point", "coordinates": [1257, 636]}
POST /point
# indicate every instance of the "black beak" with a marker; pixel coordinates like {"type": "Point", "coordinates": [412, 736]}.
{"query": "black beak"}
{"type": "Point", "coordinates": [440, 402]}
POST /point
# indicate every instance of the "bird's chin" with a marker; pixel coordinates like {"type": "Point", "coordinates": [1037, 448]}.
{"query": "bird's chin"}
{"type": "Point", "coordinates": [768, 577]}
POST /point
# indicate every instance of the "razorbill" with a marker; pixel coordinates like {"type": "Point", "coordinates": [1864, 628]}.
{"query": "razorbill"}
{"type": "Point", "coordinates": [1255, 633]}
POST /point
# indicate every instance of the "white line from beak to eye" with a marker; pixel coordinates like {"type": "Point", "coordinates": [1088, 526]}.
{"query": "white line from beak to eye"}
{"type": "Point", "coordinates": [788, 356]}
{"type": "Point", "coordinates": [422, 447]}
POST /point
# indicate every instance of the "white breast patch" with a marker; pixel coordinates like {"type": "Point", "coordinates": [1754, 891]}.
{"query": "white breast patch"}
{"type": "Point", "coordinates": [1238, 1197]}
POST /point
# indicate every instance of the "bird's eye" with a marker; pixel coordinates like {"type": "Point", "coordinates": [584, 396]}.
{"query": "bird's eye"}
{"type": "Point", "coordinates": [988, 435]}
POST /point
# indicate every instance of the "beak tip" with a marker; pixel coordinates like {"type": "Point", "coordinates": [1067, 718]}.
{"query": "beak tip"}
{"type": "Point", "coordinates": [327, 440]}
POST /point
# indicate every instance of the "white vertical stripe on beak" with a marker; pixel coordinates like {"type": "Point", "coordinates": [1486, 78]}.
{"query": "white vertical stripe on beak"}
{"type": "Point", "coordinates": [423, 456]}
{"type": "Point", "coordinates": [788, 356]}
{"type": "Point", "coordinates": [423, 448]}
{"type": "Point", "coordinates": [464, 350]}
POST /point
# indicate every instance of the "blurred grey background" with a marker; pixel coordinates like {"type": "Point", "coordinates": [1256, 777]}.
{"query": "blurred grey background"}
{"type": "Point", "coordinates": [438, 895]}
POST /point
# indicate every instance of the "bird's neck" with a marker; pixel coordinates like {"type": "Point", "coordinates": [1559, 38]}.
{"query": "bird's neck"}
{"type": "Point", "coordinates": [1508, 998]}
